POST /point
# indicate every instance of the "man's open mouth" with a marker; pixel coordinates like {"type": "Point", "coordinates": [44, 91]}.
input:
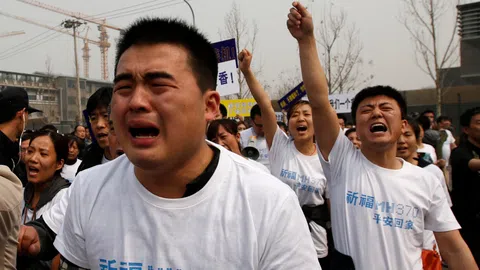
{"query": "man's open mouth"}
{"type": "Point", "coordinates": [147, 132]}
{"type": "Point", "coordinates": [378, 127]}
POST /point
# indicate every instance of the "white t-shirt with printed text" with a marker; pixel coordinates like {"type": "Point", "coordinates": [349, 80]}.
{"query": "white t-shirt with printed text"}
{"type": "Point", "coordinates": [261, 145]}
{"type": "Point", "coordinates": [303, 174]}
{"type": "Point", "coordinates": [378, 214]}
{"type": "Point", "coordinates": [242, 218]}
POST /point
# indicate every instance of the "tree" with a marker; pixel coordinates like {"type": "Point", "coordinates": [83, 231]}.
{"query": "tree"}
{"type": "Point", "coordinates": [286, 81]}
{"type": "Point", "coordinates": [341, 52]}
{"type": "Point", "coordinates": [421, 19]}
{"type": "Point", "coordinates": [236, 26]}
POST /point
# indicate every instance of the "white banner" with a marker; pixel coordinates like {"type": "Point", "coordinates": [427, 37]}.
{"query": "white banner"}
{"type": "Point", "coordinates": [342, 103]}
{"type": "Point", "coordinates": [227, 78]}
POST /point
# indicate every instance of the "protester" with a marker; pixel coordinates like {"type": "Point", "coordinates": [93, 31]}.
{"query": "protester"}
{"type": "Point", "coordinates": [294, 160]}
{"type": "Point", "coordinates": [88, 138]}
{"type": "Point", "coordinates": [72, 162]}
{"type": "Point", "coordinates": [446, 136]}
{"type": "Point", "coordinates": [465, 163]}
{"type": "Point", "coordinates": [431, 117]}
{"type": "Point", "coordinates": [225, 133]}
{"type": "Point", "coordinates": [98, 152]}
{"type": "Point", "coordinates": [223, 112]}
{"type": "Point", "coordinates": [342, 119]}
{"type": "Point", "coordinates": [283, 127]}
{"type": "Point", "coordinates": [406, 198]}
{"type": "Point", "coordinates": [428, 151]}
{"type": "Point", "coordinates": [238, 217]}
{"type": "Point", "coordinates": [20, 169]}
{"type": "Point", "coordinates": [241, 126]}
{"type": "Point", "coordinates": [44, 158]}
{"type": "Point", "coordinates": [13, 119]}
{"type": "Point", "coordinates": [80, 132]}
{"type": "Point", "coordinates": [255, 136]}
{"type": "Point", "coordinates": [49, 127]}
{"type": "Point", "coordinates": [353, 137]}
{"type": "Point", "coordinates": [407, 150]}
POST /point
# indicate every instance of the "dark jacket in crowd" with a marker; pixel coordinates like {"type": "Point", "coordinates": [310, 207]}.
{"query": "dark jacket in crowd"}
{"type": "Point", "coordinates": [8, 152]}
{"type": "Point", "coordinates": [93, 157]}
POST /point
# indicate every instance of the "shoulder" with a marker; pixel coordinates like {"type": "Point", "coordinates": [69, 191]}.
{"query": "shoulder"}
{"type": "Point", "coordinates": [420, 175]}
{"type": "Point", "coordinates": [432, 168]}
{"type": "Point", "coordinates": [95, 177]}
{"type": "Point", "coordinates": [10, 189]}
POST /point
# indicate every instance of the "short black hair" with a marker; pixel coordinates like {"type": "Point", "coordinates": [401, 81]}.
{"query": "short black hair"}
{"type": "Point", "coordinates": [27, 135]}
{"type": "Point", "coordinates": [150, 31]}
{"type": "Point", "coordinates": [59, 141]}
{"type": "Point", "coordinates": [223, 110]}
{"type": "Point", "coordinates": [350, 130]}
{"type": "Point", "coordinates": [466, 117]}
{"type": "Point", "coordinates": [74, 139]}
{"type": "Point", "coordinates": [428, 111]}
{"type": "Point", "coordinates": [49, 127]}
{"type": "Point", "coordinates": [379, 90]}
{"type": "Point", "coordinates": [415, 126]}
{"type": "Point", "coordinates": [100, 99]}
{"type": "Point", "coordinates": [292, 108]}
{"type": "Point", "coordinates": [75, 128]}
{"type": "Point", "coordinates": [282, 125]}
{"type": "Point", "coordinates": [424, 122]}
{"type": "Point", "coordinates": [229, 125]}
{"type": "Point", "coordinates": [255, 110]}
{"type": "Point", "coordinates": [342, 116]}
{"type": "Point", "coordinates": [442, 118]}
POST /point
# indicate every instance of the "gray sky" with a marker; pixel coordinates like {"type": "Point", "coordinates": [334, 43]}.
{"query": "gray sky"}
{"type": "Point", "coordinates": [385, 40]}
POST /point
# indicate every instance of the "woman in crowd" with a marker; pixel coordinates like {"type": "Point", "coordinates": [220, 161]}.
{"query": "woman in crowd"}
{"type": "Point", "coordinates": [294, 159]}
{"type": "Point", "coordinates": [241, 126]}
{"type": "Point", "coordinates": [351, 134]}
{"type": "Point", "coordinates": [407, 149]}
{"type": "Point", "coordinates": [44, 159]}
{"type": "Point", "coordinates": [225, 133]}
{"type": "Point", "coordinates": [73, 162]}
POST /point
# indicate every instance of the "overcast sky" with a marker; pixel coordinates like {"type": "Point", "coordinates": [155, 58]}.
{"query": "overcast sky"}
{"type": "Point", "coordinates": [386, 42]}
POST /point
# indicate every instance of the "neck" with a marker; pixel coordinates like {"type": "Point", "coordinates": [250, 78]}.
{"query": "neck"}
{"type": "Point", "coordinates": [70, 161]}
{"type": "Point", "coordinates": [413, 159]}
{"type": "Point", "coordinates": [175, 177]}
{"type": "Point", "coordinates": [385, 158]}
{"type": "Point", "coordinates": [107, 154]}
{"type": "Point", "coordinates": [472, 141]}
{"type": "Point", "coordinates": [9, 131]}
{"type": "Point", "coordinates": [306, 147]}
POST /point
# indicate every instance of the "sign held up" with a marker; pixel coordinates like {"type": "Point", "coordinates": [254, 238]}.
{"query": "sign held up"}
{"type": "Point", "coordinates": [227, 77]}
{"type": "Point", "coordinates": [292, 97]}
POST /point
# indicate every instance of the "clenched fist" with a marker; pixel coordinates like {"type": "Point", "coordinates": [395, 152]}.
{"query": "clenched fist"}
{"type": "Point", "coordinates": [28, 241]}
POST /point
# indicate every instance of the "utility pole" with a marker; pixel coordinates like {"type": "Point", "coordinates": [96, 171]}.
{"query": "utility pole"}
{"type": "Point", "coordinates": [74, 24]}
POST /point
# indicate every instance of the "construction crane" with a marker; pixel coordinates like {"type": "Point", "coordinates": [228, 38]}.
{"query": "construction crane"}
{"type": "Point", "coordinates": [102, 25]}
{"type": "Point", "coordinates": [9, 34]}
{"type": "Point", "coordinates": [85, 49]}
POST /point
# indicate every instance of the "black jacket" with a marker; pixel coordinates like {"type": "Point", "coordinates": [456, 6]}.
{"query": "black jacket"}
{"type": "Point", "coordinates": [93, 157]}
{"type": "Point", "coordinates": [8, 152]}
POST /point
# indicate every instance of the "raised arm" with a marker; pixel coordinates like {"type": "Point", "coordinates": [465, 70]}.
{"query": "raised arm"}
{"type": "Point", "coordinates": [300, 25]}
{"type": "Point", "coordinates": [263, 100]}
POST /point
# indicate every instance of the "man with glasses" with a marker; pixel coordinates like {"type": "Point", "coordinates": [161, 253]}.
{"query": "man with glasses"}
{"type": "Point", "coordinates": [97, 109]}
{"type": "Point", "coordinates": [255, 136]}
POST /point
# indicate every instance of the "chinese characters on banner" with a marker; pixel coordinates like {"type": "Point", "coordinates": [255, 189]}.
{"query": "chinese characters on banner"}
{"type": "Point", "coordinates": [238, 106]}
{"type": "Point", "coordinates": [293, 96]}
{"type": "Point", "coordinates": [342, 103]}
{"type": "Point", "coordinates": [227, 78]}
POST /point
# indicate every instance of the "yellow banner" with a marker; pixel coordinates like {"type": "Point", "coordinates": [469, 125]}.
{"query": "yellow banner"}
{"type": "Point", "coordinates": [239, 106]}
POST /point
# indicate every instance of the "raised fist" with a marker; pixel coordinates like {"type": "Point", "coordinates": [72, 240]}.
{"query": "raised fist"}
{"type": "Point", "coordinates": [300, 22]}
{"type": "Point", "coordinates": [245, 59]}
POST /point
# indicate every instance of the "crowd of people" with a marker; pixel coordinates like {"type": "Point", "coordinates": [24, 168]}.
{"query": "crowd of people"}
{"type": "Point", "coordinates": [195, 190]}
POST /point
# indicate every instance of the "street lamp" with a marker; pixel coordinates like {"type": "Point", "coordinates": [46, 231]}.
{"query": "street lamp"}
{"type": "Point", "coordinates": [191, 9]}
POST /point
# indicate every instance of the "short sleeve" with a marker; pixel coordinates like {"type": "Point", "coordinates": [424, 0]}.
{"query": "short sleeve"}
{"type": "Point", "coordinates": [289, 243]}
{"type": "Point", "coordinates": [341, 155]}
{"type": "Point", "coordinates": [70, 241]}
{"type": "Point", "coordinates": [439, 217]}
{"type": "Point", "coordinates": [280, 142]}
{"type": "Point", "coordinates": [54, 216]}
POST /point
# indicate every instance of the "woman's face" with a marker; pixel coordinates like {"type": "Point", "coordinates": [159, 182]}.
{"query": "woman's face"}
{"type": "Point", "coordinates": [227, 140]}
{"type": "Point", "coordinates": [352, 136]}
{"type": "Point", "coordinates": [41, 160]}
{"type": "Point", "coordinates": [73, 151]}
{"type": "Point", "coordinates": [407, 143]}
{"type": "Point", "coordinates": [300, 123]}
{"type": "Point", "coordinates": [241, 127]}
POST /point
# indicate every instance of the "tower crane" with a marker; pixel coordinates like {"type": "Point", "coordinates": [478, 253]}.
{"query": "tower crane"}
{"type": "Point", "coordinates": [102, 27]}
{"type": "Point", "coordinates": [85, 49]}
{"type": "Point", "coordinates": [9, 34]}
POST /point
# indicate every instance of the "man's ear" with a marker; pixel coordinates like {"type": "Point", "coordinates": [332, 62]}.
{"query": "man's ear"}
{"type": "Point", "coordinates": [212, 103]}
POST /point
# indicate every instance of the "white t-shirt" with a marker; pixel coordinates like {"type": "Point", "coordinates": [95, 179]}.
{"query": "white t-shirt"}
{"type": "Point", "coordinates": [39, 212]}
{"type": "Point", "coordinates": [261, 145]}
{"type": "Point", "coordinates": [242, 219]}
{"type": "Point", "coordinates": [446, 150]}
{"type": "Point", "coordinates": [429, 151]}
{"type": "Point", "coordinates": [379, 215]}
{"type": "Point", "coordinates": [428, 238]}
{"type": "Point", "coordinates": [304, 175]}
{"type": "Point", "coordinates": [69, 171]}
{"type": "Point", "coordinates": [259, 165]}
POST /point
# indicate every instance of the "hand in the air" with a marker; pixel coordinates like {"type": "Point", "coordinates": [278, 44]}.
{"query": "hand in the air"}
{"type": "Point", "coordinates": [300, 23]}
{"type": "Point", "coordinates": [245, 59]}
